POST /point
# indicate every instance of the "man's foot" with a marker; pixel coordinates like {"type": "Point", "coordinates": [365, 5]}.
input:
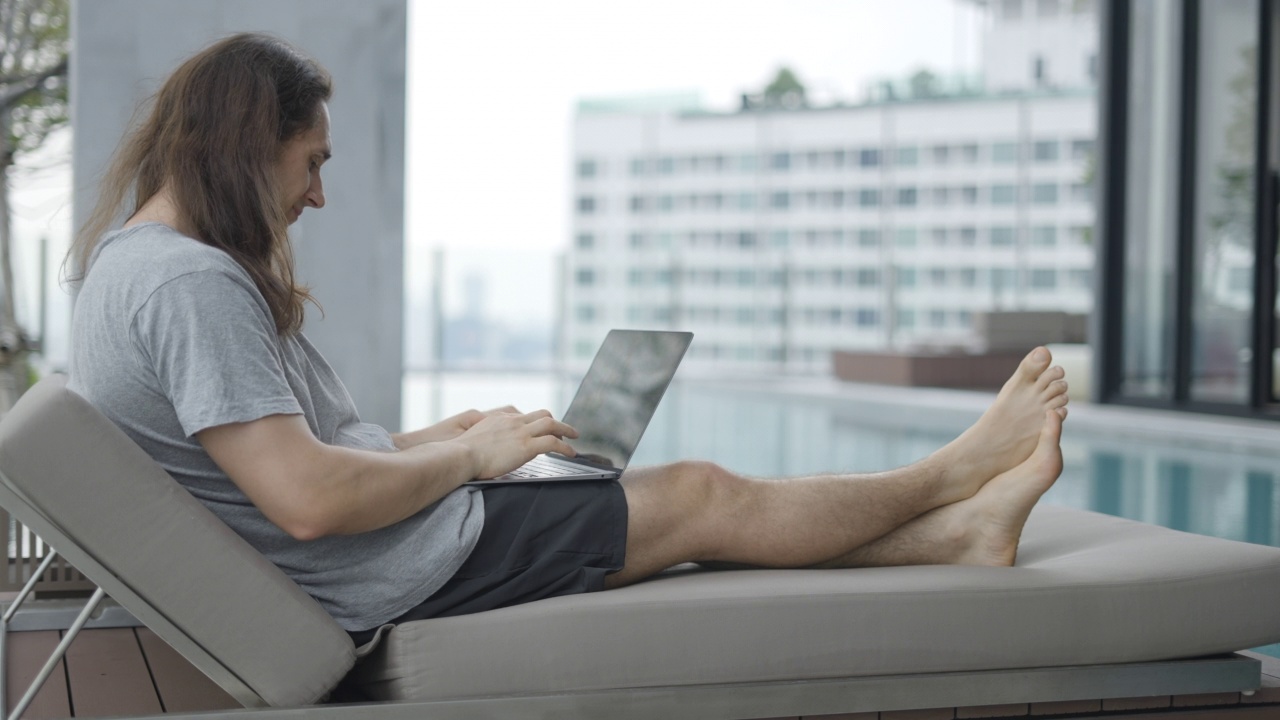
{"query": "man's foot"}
{"type": "Point", "coordinates": [1007, 432]}
{"type": "Point", "coordinates": [989, 525]}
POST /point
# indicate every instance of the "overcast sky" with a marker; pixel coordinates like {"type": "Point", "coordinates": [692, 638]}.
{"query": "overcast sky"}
{"type": "Point", "coordinates": [493, 86]}
{"type": "Point", "coordinates": [492, 90]}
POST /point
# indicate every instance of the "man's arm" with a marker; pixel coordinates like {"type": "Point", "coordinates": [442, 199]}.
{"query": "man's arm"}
{"type": "Point", "coordinates": [310, 489]}
{"type": "Point", "coordinates": [446, 429]}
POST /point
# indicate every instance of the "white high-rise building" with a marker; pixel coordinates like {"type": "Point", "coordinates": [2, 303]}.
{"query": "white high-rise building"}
{"type": "Point", "coordinates": [779, 233]}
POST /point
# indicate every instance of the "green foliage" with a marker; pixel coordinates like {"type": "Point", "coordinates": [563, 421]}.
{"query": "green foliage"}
{"type": "Point", "coordinates": [33, 58]}
{"type": "Point", "coordinates": [924, 84]}
{"type": "Point", "coordinates": [786, 90]}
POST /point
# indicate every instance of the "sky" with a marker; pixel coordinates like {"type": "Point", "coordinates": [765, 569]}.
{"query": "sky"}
{"type": "Point", "coordinates": [492, 87]}
{"type": "Point", "coordinates": [494, 83]}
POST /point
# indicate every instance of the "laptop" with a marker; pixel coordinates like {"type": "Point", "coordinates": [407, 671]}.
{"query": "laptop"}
{"type": "Point", "coordinates": [612, 408]}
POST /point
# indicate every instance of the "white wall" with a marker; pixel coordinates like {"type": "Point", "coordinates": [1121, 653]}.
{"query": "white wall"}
{"type": "Point", "coordinates": [351, 253]}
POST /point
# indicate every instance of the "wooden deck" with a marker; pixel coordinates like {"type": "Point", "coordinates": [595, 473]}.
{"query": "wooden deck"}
{"type": "Point", "coordinates": [115, 672]}
{"type": "Point", "coordinates": [109, 672]}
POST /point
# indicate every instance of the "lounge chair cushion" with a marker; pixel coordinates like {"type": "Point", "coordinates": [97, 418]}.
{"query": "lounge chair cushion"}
{"type": "Point", "coordinates": [81, 472]}
{"type": "Point", "coordinates": [1087, 589]}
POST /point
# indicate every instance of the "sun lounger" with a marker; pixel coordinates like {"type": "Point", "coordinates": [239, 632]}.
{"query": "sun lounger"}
{"type": "Point", "coordinates": [1098, 607]}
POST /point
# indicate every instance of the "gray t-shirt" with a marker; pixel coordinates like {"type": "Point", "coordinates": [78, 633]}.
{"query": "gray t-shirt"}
{"type": "Point", "coordinates": [171, 336]}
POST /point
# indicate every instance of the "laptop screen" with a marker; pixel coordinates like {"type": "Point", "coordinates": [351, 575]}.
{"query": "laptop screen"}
{"type": "Point", "coordinates": [621, 391]}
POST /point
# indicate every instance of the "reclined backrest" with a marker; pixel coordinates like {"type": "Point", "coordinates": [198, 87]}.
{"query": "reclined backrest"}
{"type": "Point", "coordinates": [74, 478]}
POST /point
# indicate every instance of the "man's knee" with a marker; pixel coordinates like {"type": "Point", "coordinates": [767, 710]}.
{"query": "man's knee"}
{"type": "Point", "coordinates": [706, 485]}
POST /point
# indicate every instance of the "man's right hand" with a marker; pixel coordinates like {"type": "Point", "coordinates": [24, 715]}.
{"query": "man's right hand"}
{"type": "Point", "coordinates": [503, 441]}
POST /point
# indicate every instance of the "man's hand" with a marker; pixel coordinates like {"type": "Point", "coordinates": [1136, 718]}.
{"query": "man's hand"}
{"type": "Point", "coordinates": [501, 441]}
{"type": "Point", "coordinates": [447, 429]}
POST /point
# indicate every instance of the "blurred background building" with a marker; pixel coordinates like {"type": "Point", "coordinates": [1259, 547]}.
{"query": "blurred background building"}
{"type": "Point", "coordinates": [788, 228]}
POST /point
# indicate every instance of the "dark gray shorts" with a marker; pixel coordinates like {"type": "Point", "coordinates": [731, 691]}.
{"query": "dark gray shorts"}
{"type": "Point", "coordinates": [540, 540]}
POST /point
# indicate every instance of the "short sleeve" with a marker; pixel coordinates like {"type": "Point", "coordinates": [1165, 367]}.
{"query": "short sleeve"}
{"type": "Point", "coordinates": [212, 345]}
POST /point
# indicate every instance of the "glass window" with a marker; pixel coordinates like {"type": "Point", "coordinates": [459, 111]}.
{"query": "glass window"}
{"type": "Point", "coordinates": [1045, 150]}
{"type": "Point", "coordinates": [907, 197]}
{"type": "Point", "coordinates": [779, 238]}
{"type": "Point", "coordinates": [586, 313]}
{"type": "Point", "coordinates": [635, 276]}
{"type": "Point", "coordinates": [1227, 86]}
{"type": "Point", "coordinates": [666, 165]}
{"type": "Point", "coordinates": [587, 168]}
{"type": "Point", "coordinates": [869, 157]}
{"type": "Point", "coordinates": [1047, 8]}
{"type": "Point", "coordinates": [636, 240]}
{"type": "Point", "coordinates": [1004, 153]}
{"type": "Point", "coordinates": [1044, 236]}
{"type": "Point", "coordinates": [1080, 278]}
{"type": "Point", "coordinates": [969, 195]}
{"type": "Point", "coordinates": [938, 197]}
{"type": "Point", "coordinates": [1044, 278]}
{"type": "Point", "coordinates": [868, 238]}
{"type": "Point", "coordinates": [1004, 194]}
{"type": "Point", "coordinates": [905, 238]}
{"type": "Point", "coordinates": [780, 200]}
{"type": "Point", "coordinates": [869, 197]}
{"type": "Point", "coordinates": [906, 277]}
{"type": "Point", "coordinates": [906, 318]}
{"type": "Point", "coordinates": [908, 156]}
{"type": "Point", "coordinates": [585, 241]}
{"type": "Point", "coordinates": [938, 236]}
{"type": "Point", "coordinates": [1082, 149]}
{"type": "Point", "coordinates": [1081, 193]}
{"type": "Point", "coordinates": [638, 166]}
{"type": "Point", "coordinates": [1011, 9]}
{"type": "Point", "coordinates": [968, 277]}
{"type": "Point", "coordinates": [780, 161]}
{"type": "Point", "coordinates": [747, 200]}
{"type": "Point", "coordinates": [586, 277]}
{"type": "Point", "coordinates": [868, 277]}
{"type": "Point", "coordinates": [968, 236]}
{"type": "Point", "coordinates": [748, 162]}
{"type": "Point", "coordinates": [938, 277]}
{"type": "Point", "coordinates": [937, 318]}
{"type": "Point", "coordinates": [1002, 279]}
{"type": "Point", "coordinates": [1044, 193]}
{"type": "Point", "coordinates": [868, 317]}
{"type": "Point", "coordinates": [969, 153]}
{"type": "Point", "coordinates": [939, 154]}
{"type": "Point", "coordinates": [1003, 236]}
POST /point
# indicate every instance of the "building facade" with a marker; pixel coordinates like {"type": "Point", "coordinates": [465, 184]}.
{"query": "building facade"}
{"type": "Point", "coordinates": [780, 234]}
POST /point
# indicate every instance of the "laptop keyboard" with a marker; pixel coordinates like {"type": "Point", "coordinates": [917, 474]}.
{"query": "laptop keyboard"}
{"type": "Point", "coordinates": [543, 466]}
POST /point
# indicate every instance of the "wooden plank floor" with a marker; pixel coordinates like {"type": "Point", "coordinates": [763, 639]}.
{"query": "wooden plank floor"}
{"type": "Point", "coordinates": [109, 673]}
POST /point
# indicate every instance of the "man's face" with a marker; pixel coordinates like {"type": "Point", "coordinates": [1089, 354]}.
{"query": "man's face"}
{"type": "Point", "coordinates": [298, 172]}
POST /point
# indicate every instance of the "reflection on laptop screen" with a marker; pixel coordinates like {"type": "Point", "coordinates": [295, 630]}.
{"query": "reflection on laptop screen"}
{"type": "Point", "coordinates": [621, 391]}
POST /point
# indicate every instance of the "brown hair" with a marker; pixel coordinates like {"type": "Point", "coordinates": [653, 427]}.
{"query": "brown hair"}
{"type": "Point", "coordinates": [214, 130]}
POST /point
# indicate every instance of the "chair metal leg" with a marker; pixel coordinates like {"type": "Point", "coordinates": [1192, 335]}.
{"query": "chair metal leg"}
{"type": "Point", "coordinates": [58, 652]}
{"type": "Point", "coordinates": [4, 625]}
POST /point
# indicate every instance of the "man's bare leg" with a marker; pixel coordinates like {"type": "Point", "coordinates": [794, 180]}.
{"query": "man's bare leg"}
{"type": "Point", "coordinates": [699, 511]}
{"type": "Point", "coordinates": [983, 530]}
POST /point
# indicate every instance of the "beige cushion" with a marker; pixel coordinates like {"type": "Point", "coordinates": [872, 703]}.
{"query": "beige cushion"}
{"type": "Point", "coordinates": [1088, 589]}
{"type": "Point", "coordinates": [83, 474]}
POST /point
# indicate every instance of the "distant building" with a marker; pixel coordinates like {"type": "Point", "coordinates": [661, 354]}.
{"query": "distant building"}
{"type": "Point", "coordinates": [779, 233]}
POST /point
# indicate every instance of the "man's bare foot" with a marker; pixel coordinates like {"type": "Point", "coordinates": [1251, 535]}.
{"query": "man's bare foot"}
{"type": "Point", "coordinates": [1007, 432]}
{"type": "Point", "coordinates": [989, 525]}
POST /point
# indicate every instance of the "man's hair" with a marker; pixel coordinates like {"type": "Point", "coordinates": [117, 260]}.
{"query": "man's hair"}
{"type": "Point", "coordinates": [213, 134]}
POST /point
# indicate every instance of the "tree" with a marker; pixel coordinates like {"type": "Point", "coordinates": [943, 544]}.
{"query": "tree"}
{"type": "Point", "coordinates": [785, 91]}
{"type": "Point", "coordinates": [33, 104]}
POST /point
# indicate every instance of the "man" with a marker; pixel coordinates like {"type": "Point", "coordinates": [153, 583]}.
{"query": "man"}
{"type": "Point", "coordinates": [187, 334]}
